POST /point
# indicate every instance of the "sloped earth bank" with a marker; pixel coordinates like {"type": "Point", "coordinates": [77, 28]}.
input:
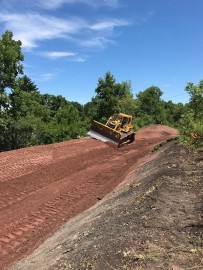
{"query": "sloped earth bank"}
{"type": "Point", "coordinates": [43, 187]}
{"type": "Point", "coordinates": [151, 222]}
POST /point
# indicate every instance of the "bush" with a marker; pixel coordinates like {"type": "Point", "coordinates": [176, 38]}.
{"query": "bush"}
{"type": "Point", "coordinates": [191, 131]}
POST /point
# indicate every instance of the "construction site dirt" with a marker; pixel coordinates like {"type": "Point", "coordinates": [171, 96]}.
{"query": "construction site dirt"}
{"type": "Point", "coordinates": [42, 187]}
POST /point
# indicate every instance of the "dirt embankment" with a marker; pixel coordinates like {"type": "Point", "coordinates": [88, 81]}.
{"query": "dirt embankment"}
{"type": "Point", "coordinates": [152, 222]}
{"type": "Point", "coordinates": [43, 187]}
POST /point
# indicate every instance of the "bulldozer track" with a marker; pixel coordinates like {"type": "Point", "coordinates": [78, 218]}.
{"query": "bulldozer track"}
{"type": "Point", "coordinates": [42, 187]}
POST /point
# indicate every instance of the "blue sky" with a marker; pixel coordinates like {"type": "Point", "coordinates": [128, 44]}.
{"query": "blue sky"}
{"type": "Point", "coordinates": [69, 44]}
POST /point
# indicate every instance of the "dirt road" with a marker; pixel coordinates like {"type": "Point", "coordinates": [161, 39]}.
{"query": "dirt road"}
{"type": "Point", "coordinates": [42, 187]}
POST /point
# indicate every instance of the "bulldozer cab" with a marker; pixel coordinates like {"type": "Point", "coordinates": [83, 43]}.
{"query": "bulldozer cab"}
{"type": "Point", "coordinates": [114, 122]}
{"type": "Point", "coordinates": [121, 122]}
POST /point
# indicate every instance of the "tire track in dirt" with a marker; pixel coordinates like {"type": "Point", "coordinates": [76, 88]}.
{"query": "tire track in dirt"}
{"type": "Point", "coordinates": [25, 161]}
{"type": "Point", "coordinates": [79, 173]}
{"type": "Point", "coordinates": [21, 187]}
{"type": "Point", "coordinates": [44, 216]}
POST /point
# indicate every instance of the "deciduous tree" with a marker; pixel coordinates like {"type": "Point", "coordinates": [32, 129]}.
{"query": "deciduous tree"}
{"type": "Point", "coordinates": [10, 63]}
{"type": "Point", "coordinates": [196, 98]}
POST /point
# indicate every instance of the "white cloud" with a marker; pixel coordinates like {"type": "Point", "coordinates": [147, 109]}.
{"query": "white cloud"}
{"type": "Point", "coordinates": [46, 77]}
{"type": "Point", "coordinates": [79, 59]}
{"type": "Point", "coordinates": [54, 4]}
{"type": "Point", "coordinates": [74, 57]}
{"type": "Point", "coordinates": [32, 27]}
{"type": "Point", "coordinates": [59, 54]}
{"type": "Point", "coordinates": [108, 24]}
{"type": "Point", "coordinates": [97, 42]}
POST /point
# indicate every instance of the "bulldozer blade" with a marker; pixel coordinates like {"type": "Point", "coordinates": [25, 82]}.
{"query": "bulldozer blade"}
{"type": "Point", "coordinates": [104, 133]}
{"type": "Point", "coordinates": [99, 137]}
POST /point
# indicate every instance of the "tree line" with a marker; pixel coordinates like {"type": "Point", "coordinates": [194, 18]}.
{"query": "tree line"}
{"type": "Point", "coordinates": [29, 118]}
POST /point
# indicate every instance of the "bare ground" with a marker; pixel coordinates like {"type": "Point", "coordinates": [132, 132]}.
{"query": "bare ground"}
{"type": "Point", "coordinates": [152, 221]}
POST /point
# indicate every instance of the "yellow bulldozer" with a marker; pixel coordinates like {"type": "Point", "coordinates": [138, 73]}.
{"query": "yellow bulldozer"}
{"type": "Point", "coordinates": [118, 129]}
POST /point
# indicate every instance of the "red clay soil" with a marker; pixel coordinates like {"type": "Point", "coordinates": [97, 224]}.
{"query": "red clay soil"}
{"type": "Point", "coordinates": [42, 187]}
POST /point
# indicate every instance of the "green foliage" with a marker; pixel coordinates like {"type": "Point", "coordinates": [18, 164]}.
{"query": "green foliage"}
{"type": "Point", "coordinates": [79, 108]}
{"type": "Point", "coordinates": [174, 113]}
{"type": "Point", "coordinates": [90, 109]}
{"type": "Point", "coordinates": [192, 122]}
{"type": "Point", "coordinates": [69, 122]}
{"type": "Point", "coordinates": [189, 125]}
{"type": "Point", "coordinates": [111, 97]}
{"type": "Point", "coordinates": [53, 103]}
{"type": "Point", "coordinates": [196, 98]}
{"type": "Point", "coordinates": [198, 129]}
{"type": "Point", "coordinates": [5, 132]}
{"type": "Point", "coordinates": [150, 107]}
{"type": "Point", "coordinates": [25, 84]}
{"type": "Point", "coordinates": [25, 103]}
{"type": "Point", "coordinates": [126, 103]}
{"type": "Point", "coordinates": [10, 63]}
